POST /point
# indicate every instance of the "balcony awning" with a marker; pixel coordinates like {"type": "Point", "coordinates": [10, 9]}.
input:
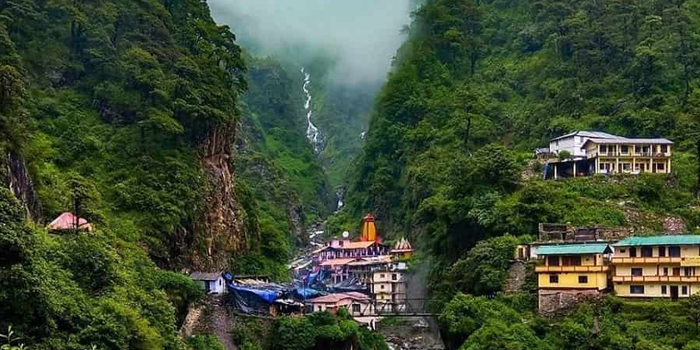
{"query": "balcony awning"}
{"type": "Point", "coordinates": [574, 249]}
{"type": "Point", "coordinates": [659, 240]}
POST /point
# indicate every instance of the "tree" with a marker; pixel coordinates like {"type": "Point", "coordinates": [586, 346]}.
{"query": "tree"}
{"type": "Point", "coordinates": [692, 308]}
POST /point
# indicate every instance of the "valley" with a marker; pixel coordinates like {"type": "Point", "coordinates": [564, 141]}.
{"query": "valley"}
{"type": "Point", "coordinates": [372, 175]}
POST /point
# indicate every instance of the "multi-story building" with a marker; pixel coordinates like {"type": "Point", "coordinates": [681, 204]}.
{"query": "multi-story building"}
{"type": "Point", "coordinates": [601, 153]}
{"type": "Point", "coordinates": [567, 272]}
{"type": "Point", "coordinates": [628, 156]}
{"type": "Point", "coordinates": [657, 266]}
{"type": "Point", "coordinates": [389, 290]}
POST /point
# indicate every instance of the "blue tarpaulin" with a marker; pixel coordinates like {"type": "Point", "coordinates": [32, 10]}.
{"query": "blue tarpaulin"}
{"type": "Point", "coordinates": [268, 295]}
{"type": "Point", "coordinates": [307, 293]}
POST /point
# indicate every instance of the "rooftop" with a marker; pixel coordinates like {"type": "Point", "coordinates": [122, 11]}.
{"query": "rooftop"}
{"type": "Point", "coordinates": [659, 240]}
{"type": "Point", "coordinates": [574, 249]}
{"type": "Point", "coordinates": [205, 276]}
{"type": "Point", "coordinates": [357, 245]}
{"type": "Point", "coordinates": [338, 262]}
{"type": "Point", "coordinates": [589, 134]}
{"type": "Point", "coordinates": [623, 140]}
{"type": "Point", "coordinates": [334, 298]}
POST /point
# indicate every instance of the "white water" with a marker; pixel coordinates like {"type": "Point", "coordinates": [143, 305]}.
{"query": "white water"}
{"type": "Point", "coordinates": [312, 132]}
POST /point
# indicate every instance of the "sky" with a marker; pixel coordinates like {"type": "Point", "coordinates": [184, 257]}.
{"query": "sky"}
{"type": "Point", "coordinates": [361, 35]}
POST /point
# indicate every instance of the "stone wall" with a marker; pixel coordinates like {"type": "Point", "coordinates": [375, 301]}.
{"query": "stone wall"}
{"type": "Point", "coordinates": [553, 301]}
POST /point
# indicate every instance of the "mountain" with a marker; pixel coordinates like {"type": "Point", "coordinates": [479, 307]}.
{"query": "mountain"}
{"type": "Point", "coordinates": [125, 112]}
{"type": "Point", "coordinates": [480, 84]}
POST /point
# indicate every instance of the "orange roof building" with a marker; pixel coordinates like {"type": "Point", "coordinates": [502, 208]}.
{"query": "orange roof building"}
{"type": "Point", "coordinates": [402, 249]}
{"type": "Point", "coordinates": [369, 230]}
{"type": "Point", "coordinates": [67, 222]}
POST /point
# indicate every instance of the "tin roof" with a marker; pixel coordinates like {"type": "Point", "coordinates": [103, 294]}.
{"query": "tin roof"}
{"type": "Point", "coordinates": [659, 240]}
{"type": "Point", "coordinates": [589, 134]}
{"type": "Point", "coordinates": [356, 245]}
{"type": "Point", "coordinates": [574, 249]}
{"type": "Point", "coordinates": [338, 262]}
{"type": "Point", "coordinates": [334, 298]}
{"type": "Point", "coordinates": [205, 276]}
{"type": "Point", "coordinates": [623, 140]}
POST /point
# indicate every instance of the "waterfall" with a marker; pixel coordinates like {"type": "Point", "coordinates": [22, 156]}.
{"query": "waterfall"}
{"type": "Point", "coordinates": [312, 132]}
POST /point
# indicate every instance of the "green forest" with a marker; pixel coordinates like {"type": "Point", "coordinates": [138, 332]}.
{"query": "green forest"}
{"type": "Point", "coordinates": [186, 151]}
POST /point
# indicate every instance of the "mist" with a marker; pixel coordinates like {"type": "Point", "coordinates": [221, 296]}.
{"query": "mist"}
{"type": "Point", "coordinates": [359, 37]}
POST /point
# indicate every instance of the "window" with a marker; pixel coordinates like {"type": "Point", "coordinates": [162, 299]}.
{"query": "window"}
{"type": "Point", "coordinates": [689, 271]}
{"type": "Point", "coordinates": [646, 252]}
{"type": "Point", "coordinates": [636, 271]}
{"type": "Point", "coordinates": [637, 149]}
{"type": "Point", "coordinates": [663, 290]}
{"type": "Point", "coordinates": [624, 149]}
{"type": "Point", "coordinates": [636, 289]}
{"type": "Point", "coordinates": [356, 308]}
{"type": "Point", "coordinates": [382, 287]}
{"type": "Point", "coordinates": [665, 271]}
{"type": "Point", "coordinates": [622, 250]}
{"type": "Point", "coordinates": [676, 271]}
{"type": "Point", "coordinates": [662, 251]}
{"type": "Point", "coordinates": [626, 166]}
{"type": "Point", "coordinates": [664, 148]}
{"type": "Point", "coordinates": [553, 278]}
{"type": "Point", "coordinates": [660, 166]}
{"type": "Point", "coordinates": [571, 261]}
{"type": "Point", "coordinates": [583, 279]}
{"type": "Point", "coordinates": [381, 275]}
{"type": "Point", "coordinates": [674, 252]}
{"type": "Point", "coordinates": [602, 166]}
{"type": "Point", "coordinates": [553, 260]}
{"type": "Point", "coordinates": [633, 252]}
{"type": "Point", "coordinates": [603, 149]}
{"type": "Point", "coordinates": [684, 290]}
{"type": "Point", "coordinates": [394, 277]}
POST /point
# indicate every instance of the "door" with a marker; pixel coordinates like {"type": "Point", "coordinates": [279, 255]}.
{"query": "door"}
{"type": "Point", "coordinates": [674, 292]}
{"type": "Point", "coordinates": [676, 272]}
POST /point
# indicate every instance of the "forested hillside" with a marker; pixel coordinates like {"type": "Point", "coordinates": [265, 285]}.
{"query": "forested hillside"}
{"type": "Point", "coordinates": [481, 83]}
{"type": "Point", "coordinates": [125, 112]}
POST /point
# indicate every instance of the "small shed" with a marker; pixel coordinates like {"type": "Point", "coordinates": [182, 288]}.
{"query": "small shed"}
{"type": "Point", "coordinates": [69, 222]}
{"type": "Point", "coordinates": [213, 282]}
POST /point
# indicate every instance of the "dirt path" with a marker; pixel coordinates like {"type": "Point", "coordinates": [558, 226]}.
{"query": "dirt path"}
{"type": "Point", "coordinates": [221, 322]}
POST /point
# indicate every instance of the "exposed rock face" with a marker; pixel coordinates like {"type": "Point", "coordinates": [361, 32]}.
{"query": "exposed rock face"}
{"type": "Point", "coordinates": [517, 274]}
{"type": "Point", "coordinates": [15, 177]}
{"type": "Point", "coordinates": [552, 302]}
{"type": "Point", "coordinates": [217, 228]}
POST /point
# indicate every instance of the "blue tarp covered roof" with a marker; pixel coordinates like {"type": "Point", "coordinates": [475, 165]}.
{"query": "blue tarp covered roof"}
{"type": "Point", "coordinates": [268, 295]}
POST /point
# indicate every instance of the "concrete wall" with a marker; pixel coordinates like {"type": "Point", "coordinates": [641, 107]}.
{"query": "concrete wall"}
{"type": "Point", "coordinates": [571, 144]}
{"type": "Point", "coordinates": [655, 290]}
{"type": "Point", "coordinates": [686, 251]}
{"type": "Point", "coordinates": [596, 280]}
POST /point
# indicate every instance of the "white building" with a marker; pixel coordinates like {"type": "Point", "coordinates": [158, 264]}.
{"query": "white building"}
{"type": "Point", "coordinates": [573, 142]}
{"type": "Point", "coordinates": [213, 283]}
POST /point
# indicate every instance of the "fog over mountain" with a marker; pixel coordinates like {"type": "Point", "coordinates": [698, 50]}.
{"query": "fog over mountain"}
{"type": "Point", "coordinates": [361, 36]}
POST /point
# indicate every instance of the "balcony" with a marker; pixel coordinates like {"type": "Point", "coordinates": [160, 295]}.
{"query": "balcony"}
{"type": "Point", "coordinates": [571, 268]}
{"type": "Point", "coordinates": [656, 279]}
{"type": "Point", "coordinates": [648, 260]}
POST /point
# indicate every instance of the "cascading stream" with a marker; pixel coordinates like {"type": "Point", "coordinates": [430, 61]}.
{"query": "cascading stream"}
{"type": "Point", "coordinates": [312, 132]}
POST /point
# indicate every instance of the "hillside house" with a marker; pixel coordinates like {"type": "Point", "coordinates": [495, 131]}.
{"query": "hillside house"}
{"type": "Point", "coordinates": [657, 266]}
{"type": "Point", "coordinates": [357, 304]}
{"type": "Point", "coordinates": [601, 153]}
{"type": "Point", "coordinates": [69, 222]}
{"type": "Point", "coordinates": [389, 290]}
{"type": "Point", "coordinates": [402, 250]}
{"type": "Point", "coordinates": [213, 283]}
{"type": "Point", "coordinates": [568, 272]}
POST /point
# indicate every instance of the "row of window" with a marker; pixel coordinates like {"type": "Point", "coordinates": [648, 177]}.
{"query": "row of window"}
{"type": "Point", "coordinates": [628, 166]}
{"type": "Point", "coordinates": [639, 289]}
{"type": "Point", "coordinates": [648, 252]}
{"type": "Point", "coordinates": [676, 271]}
{"type": "Point", "coordinates": [582, 279]}
{"type": "Point", "coordinates": [625, 149]}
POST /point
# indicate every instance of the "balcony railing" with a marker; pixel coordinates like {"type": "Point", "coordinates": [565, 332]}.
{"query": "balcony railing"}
{"type": "Point", "coordinates": [622, 279]}
{"type": "Point", "coordinates": [647, 260]}
{"type": "Point", "coordinates": [594, 154]}
{"type": "Point", "coordinates": [571, 268]}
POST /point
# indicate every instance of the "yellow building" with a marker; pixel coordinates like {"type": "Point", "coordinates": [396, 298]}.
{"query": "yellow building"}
{"type": "Point", "coordinates": [566, 272]}
{"type": "Point", "coordinates": [657, 266]}
{"type": "Point", "coordinates": [629, 156]}
{"type": "Point", "coordinates": [389, 290]}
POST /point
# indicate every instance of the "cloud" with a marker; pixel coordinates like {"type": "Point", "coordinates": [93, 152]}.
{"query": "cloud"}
{"type": "Point", "coordinates": [361, 36]}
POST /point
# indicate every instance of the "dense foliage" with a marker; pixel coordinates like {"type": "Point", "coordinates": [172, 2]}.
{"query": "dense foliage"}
{"type": "Point", "coordinates": [73, 291]}
{"type": "Point", "coordinates": [481, 83]}
{"type": "Point", "coordinates": [481, 323]}
{"type": "Point", "coordinates": [315, 332]}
